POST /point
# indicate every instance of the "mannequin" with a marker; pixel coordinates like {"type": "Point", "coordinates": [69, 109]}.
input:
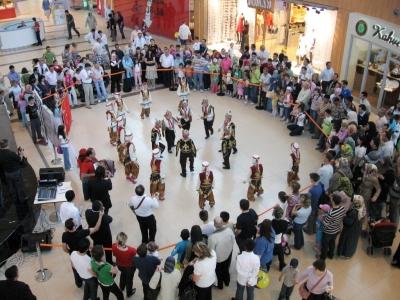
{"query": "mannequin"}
{"type": "Point", "coordinates": [239, 29]}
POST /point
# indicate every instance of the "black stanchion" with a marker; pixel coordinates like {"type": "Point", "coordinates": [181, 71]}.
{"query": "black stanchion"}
{"type": "Point", "coordinates": [260, 105]}
{"type": "Point", "coordinates": [173, 86]}
{"type": "Point", "coordinates": [221, 87]}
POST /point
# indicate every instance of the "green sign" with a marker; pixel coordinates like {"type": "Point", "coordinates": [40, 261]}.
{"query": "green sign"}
{"type": "Point", "coordinates": [361, 27]}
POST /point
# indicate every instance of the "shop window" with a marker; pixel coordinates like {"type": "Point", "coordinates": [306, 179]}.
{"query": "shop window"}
{"type": "Point", "coordinates": [357, 64]}
{"type": "Point", "coordinates": [391, 92]}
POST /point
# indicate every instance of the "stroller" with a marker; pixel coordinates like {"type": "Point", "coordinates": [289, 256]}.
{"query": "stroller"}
{"type": "Point", "coordinates": [381, 235]}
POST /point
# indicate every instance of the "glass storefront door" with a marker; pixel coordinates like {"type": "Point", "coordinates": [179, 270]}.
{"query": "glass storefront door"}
{"type": "Point", "coordinates": [357, 65]}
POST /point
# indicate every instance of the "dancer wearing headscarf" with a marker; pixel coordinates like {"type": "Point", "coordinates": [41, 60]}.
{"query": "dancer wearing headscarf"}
{"type": "Point", "coordinates": [206, 184]}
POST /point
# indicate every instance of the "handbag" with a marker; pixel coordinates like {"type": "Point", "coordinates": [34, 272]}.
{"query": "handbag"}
{"type": "Point", "coordinates": [304, 293]}
{"type": "Point", "coordinates": [263, 279]}
{"type": "Point", "coordinates": [155, 286]}
{"type": "Point", "coordinates": [59, 150]}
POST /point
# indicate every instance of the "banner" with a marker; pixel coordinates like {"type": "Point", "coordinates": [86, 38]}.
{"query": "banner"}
{"type": "Point", "coordinates": [263, 4]}
{"type": "Point", "coordinates": [50, 126]}
{"type": "Point", "coordinates": [66, 113]}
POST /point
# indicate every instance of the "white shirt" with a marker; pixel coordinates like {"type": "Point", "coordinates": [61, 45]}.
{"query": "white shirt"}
{"type": "Point", "coordinates": [139, 42]}
{"type": "Point", "coordinates": [166, 61]}
{"type": "Point", "coordinates": [98, 73]}
{"type": "Point", "coordinates": [247, 267]}
{"type": "Point", "coordinates": [184, 32]}
{"type": "Point", "coordinates": [51, 77]}
{"type": "Point", "coordinates": [265, 79]}
{"type": "Point", "coordinates": [366, 103]}
{"type": "Point", "coordinates": [42, 69]}
{"type": "Point", "coordinates": [81, 264]}
{"type": "Point", "coordinates": [352, 116]}
{"type": "Point", "coordinates": [222, 241]}
{"type": "Point", "coordinates": [69, 210]}
{"type": "Point", "coordinates": [301, 117]}
{"type": "Point", "coordinates": [196, 46]}
{"type": "Point", "coordinates": [325, 173]}
{"type": "Point", "coordinates": [147, 206]}
{"type": "Point", "coordinates": [386, 149]}
{"type": "Point", "coordinates": [91, 37]}
{"type": "Point", "coordinates": [327, 74]}
{"type": "Point", "coordinates": [208, 229]}
{"type": "Point", "coordinates": [103, 40]}
{"type": "Point", "coordinates": [263, 56]}
{"type": "Point", "coordinates": [205, 268]}
{"type": "Point", "coordinates": [85, 76]}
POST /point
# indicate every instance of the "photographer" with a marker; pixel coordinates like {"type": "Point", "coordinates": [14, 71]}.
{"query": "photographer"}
{"type": "Point", "coordinates": [10, 167]}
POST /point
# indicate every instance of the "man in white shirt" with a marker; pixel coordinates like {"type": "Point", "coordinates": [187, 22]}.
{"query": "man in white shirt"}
{"type": "Point", "coordinates": [386, 147]}
{"type": "Point", "coordinates": [207, 228]}
{"type": "Point", "coordinates": [69, 210]}
{"type": "Point", "coordinates": [326, 76]}
{"type": "Point", "coordinates": [42, 67]}
{"type": "Point", "coordinates": [184, 33]}
{"type": "Point", "coordinates": [51, 77]}
{"type": "Point", "coordinates": [92, 36]}
{"type": "Point", "coordinates": [81, 263]}
{"type": "Point", "coordinates": [167, 62]}
{"type": "Point", "coordinates": [247, 267]}
{"type": "Point", "coordinates": [364, 100]}
{"type": "Point", "coordinates": [143, 207]}
{"type": "Point", "coordinates": [134, 33]}
{"type": "Point", "coordinates": [222, 241]}
{"type": "Point", "coordinates": [326, 171]}
{"type": "Point", "coordinates": [104, 42]}
{"type": "Point", "coordinates": [86, 79]}
{"type": "Point", "coordinates": [140, 41]}
{"type": "Point", "coordinates": [263, 55]}
{"type": "Point", "coordinates": [310, 71]}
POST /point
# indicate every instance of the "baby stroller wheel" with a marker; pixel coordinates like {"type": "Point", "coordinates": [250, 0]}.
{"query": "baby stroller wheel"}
{"type": "Point", "coordinates": [370, 250]}
{"type": "Point", "coordinates": [387, 251]}
{"type": "Point", "coordinates": [287, 250]}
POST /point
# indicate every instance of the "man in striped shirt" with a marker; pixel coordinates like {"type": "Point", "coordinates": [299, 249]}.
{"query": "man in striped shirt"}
{"type": "Point", "coordinates": [333, 223]}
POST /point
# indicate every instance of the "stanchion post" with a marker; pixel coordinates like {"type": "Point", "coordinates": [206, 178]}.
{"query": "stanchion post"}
{"type": "Point", "coordinates": [221, 87]}
{"type": "Point", "coordinates": [56, 160]}
{"type": "Point", "coordinates": [43, 274]}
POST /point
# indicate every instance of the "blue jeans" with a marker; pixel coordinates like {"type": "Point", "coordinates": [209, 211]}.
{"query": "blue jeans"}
{"type": "Point", "coordinates": [198, 81]}
{"type": "Point", "coordinates": [298, 235]}
{"type": "Point", "coordinates": [286, 112]}
{"type": "Point", "coordinates": [253, 94]}
{"type": "Point", "coordinates": [314, 115]}
{"type": "Point", "coordinates": [101, 90]}
{"type": "Point", "coordinates": [240, 292]}
{"type": "Point", "coordinates": [67, 163]}
{"type": "Point", "coordinates": [24, 119]}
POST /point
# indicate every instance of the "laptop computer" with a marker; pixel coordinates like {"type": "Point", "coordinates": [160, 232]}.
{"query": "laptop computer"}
{"type": "Point", "coordinates": [47, 189]}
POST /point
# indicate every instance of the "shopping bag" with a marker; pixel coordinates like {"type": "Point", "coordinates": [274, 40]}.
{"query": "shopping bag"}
{"type": "Point", "coordinates": [263, 279]}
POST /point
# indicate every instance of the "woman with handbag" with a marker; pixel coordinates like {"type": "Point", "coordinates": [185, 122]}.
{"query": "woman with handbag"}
{"type": "Point", "coordinates": [170, 280]}
{"type": "Point", "coordinates": [316, 282]}
{"type": "Point", "coordinates": [204, 271]}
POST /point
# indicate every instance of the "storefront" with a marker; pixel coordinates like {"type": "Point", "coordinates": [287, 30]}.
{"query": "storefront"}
{"type": "Point", "coordinates": [7, 10]}
{"type": "Point", "coordinates": [371, 60]}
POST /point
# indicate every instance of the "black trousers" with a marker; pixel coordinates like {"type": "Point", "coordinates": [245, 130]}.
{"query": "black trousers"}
{"type": "Point", "coordinates": [170, 137]}
{"type": "Point", "coordinates": [39, 40]}
{"type": "Point", "coordinates": [146, 290]}
{"type": "Point", "coordinates": [183, 159]}
{"type": "Point", "coordinates": [226, 159]}
{"type": "Point", "coordinates": [278, 250]}
{"type": "Point", "coordinates": [328, 245]}
{"type": "Point", "coordinates": [70, 28]}
{"type": "Point", "coordinates": [222, 272]}
{"type": "Point", "coordinates": [204, 293]}
{"type": "Point", "coordinates": [185, 124]}
{"type": "Point", "coordinates": [285, 292]}
{"type": "Point", "coordinates": [111, 289]}
{"type": "Point", "coordinates": [36, 129]}
{"type": "Point", "coordinates": [90, 289]}
{"type": "Point", "coordinates": [295, 129]}
{"type": "Point", "coordinates": [167, 77]}
{"type": "Point", "coordinates": [106, 243]}
{"type": "Point", "coordinates": [15, 188]}
{"type": "Point", "coordinates": [148, 228]}
{"type": "Point", "coordinates": [208, 127]}
{"type": "Point", "coordinates": [311, 226]}
{"type": "Point", "coordinates": [126, 279]}
{"type": "Point", "coordinates": [77, 278]}
{"type": "Point", "coordinates": [116, 83]}
{"type": "Point", "coordinates": [324, 85]}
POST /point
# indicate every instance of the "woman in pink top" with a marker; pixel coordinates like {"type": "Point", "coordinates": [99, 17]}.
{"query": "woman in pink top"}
{"type": "Point", "coordinates": [226, 64]}
{"type": "Point", "coordinates": [317, 280]}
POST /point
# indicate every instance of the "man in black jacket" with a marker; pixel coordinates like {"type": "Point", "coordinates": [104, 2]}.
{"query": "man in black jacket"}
{"type": "Point", "coordinates": [103, 235]}
{"type": "Point", "coordinates": [98, 188]}
{"type": "Point", "coordinates": [71, 24]}
{"type": "Point", "coordinates": [10, 167]}
{"type": "Point", "coordinates": [12, 288]}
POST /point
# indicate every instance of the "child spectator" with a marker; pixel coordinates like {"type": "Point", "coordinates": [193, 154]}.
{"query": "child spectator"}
{"type": "Point", "coordinates": [240, 89]}
{"type": "Point", "coordinates": [289, 274]}
{"type": "Point", "coordinates": [180, 247]}
{"type": "Point", "coordinates": [283, 201]}
{"type": "Point", "coordinates": [152, 247]}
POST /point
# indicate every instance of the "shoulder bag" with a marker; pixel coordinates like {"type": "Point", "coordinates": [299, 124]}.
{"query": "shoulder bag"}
{"type": "Point", "coordinates": [304, 293]}
{"type": "Point", "coordinates": [140, 204]}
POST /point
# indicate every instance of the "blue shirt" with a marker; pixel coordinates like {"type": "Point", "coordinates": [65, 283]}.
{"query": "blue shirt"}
{"type": "Point", "coordinates": [264, 249]}
{"type": "Point", "coordinates": [13, 76]}
{"type": "Point", "coordinates": [302, 215]}
{"type": "Point", "coordinates": [180, 249]}
{"type": "Point", "coordinates": [315, 194]}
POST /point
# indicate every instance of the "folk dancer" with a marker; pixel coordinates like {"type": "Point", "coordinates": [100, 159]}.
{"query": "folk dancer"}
{"type": "Point", "coordinates": [231, 127]}
{"type": "Point", "coordinates": [256, 173]}
{"type": "Point", "coordinates": [206, 184]}
{"type": "Point", "coordinates": [208, 117]}
{"type": "Point", "coordinates": [120, 107]}
{"type": "Point", "coordinates": [168, 129]}
{"type": "Point", "coordinates": [295, 156]}
{"type": "Point", "coordinates": [183, 92]}
{"type": "Point", "coordinates": [185, 115]}
{"type": "Point", "coordinates": [188, 151]}
{"type": "Point", "coordinates": [157, 181]}
{"type": "Point", "coordinates": [146, 101]}
{"type": "Point", "coordinates": [121, 142]}
{"type": "Point", "coordinates": [111, 124]}
{"type": "Point", "coordinates": [156, 137]}
{"type": "Point", "coordinates": [130, 160]}
{"type": "Point", "coordinates": [226, 148]}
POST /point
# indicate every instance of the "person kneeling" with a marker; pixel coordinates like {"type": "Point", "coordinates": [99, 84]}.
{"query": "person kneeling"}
{"type": "Point", "coordinates": [298, 126]}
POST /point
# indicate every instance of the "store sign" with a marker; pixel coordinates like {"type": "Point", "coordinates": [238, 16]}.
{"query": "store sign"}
{"type": "Point", "coordinates": [263, 4]}
{"type": "Point", "coordinates": [380, 32]}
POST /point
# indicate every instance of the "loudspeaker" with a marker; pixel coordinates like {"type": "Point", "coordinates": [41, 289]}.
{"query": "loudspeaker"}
{"type": "Point", "coordinates": [29, 240]}
{"type": "Point", "coordinates": [52, 173]}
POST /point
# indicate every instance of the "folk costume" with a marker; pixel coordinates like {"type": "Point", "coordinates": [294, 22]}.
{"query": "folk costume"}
{"type": "Point", "coordinates": [231, 127]}
{"type": "Point", "coordinates": [185, 115]}
{"type": "Point", "coordinates": [206, 184]}
{"type": "Point", "coordinates": [121, 144]}
{"type": "Point", "coordinates": [130, 159]}
{"type": "Point", "coordinates": [120, 107]}
{"type": "Point", "coordinates": [157, 183]}
{"type": "Point", "coordinates": [256, 173]}
{"type": "Point", "coordinates": [208, 116]}
{"type": "Point", "coordinates": [146, 102]}
{"type": "Point", "coordinates": [295, 156]}
{"type": "Point", "coordinates": [187, 151]}
{"type": "Point", "coordinates": [156, 137]}
{"type": "Point", "coordinates": [168, 129]}
{"type": "Point", "coordinates": [183, 92]}
{"type": "Point", "coordinates": [226, 148]}
{"type": "Point", "coordinates": [111, 124]}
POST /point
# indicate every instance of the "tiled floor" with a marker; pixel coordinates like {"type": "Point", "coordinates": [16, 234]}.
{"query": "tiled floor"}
{"type": "Point", "coordinates": [362, 277]}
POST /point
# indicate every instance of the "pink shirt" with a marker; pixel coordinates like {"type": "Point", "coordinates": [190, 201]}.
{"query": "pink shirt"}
{"type": "Point", "coordinates": [226, 65]}
{"type": "Point", "coordinates": [311, 279]}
